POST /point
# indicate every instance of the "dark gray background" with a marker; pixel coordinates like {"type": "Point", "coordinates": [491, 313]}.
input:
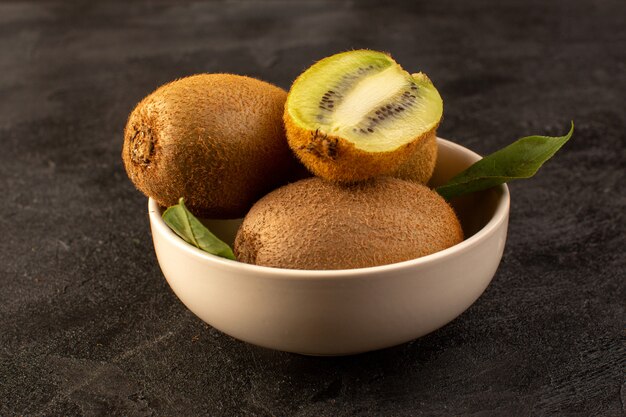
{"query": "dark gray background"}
{"type": "Point", "coordinates": [88, 325]}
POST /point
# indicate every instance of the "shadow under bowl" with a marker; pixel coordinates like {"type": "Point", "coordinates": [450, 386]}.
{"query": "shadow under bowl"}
{"type": "Point", "coordinates": [341, 312]}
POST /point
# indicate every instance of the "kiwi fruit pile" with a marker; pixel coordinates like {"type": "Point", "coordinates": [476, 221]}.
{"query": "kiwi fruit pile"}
{"type": "Point", "coordinates": [235, 146]}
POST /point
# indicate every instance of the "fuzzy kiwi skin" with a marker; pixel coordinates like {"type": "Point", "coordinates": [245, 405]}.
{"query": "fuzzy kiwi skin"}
{"type": "Point", "coordinates": [337, 159]}
{"type": "Point", "coordinates": [421, 164]}
{"type": "Point", "coordinates": [315, 224]}
{"type": "Point", "coordinates": [216, 139]}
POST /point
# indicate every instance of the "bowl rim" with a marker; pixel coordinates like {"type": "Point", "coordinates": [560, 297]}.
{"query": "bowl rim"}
{"type": "Point", "coordinates": [499, 216]}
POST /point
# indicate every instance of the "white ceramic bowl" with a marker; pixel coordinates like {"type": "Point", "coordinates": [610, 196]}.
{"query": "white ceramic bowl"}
{"type": "Point", "coordinates": [341, 312]}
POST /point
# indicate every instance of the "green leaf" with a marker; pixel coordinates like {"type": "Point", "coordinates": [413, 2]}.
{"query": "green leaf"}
{"type": "Point", "coordinates": [188, 227]}
{"type": "Point", "coordinates": [521, 159]}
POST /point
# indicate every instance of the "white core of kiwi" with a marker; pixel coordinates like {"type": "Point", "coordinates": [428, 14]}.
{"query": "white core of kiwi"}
{"type": "Point", "coordinates": [366, 95]}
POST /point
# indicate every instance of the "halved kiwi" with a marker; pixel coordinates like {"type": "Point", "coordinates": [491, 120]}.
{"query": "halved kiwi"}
{"type": "Point", "coordinates": [358, 114]}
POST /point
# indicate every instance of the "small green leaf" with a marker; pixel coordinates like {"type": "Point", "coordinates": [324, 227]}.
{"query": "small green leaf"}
{"type": "Point", "coordinates": [188, 227]}
{"type": "Point", "coordinates": [521, 159]}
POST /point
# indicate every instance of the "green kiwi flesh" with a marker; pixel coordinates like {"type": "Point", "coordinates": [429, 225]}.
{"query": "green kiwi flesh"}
{"type": "Point", "coordinates": [366, 98]}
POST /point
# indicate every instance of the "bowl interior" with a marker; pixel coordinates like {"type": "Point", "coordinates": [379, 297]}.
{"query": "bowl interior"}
{"type": "Point", "coordinates": [474, 210]}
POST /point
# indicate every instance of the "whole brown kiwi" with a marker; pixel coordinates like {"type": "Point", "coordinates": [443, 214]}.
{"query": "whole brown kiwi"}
{"type": "Point", "coordinates": [215, 139]}
{"type": "Point", "coordinates": [316, 224]}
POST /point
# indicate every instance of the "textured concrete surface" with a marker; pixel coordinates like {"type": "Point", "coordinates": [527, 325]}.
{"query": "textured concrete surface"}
{"type": "Point", "coordinates": [88, 325]}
